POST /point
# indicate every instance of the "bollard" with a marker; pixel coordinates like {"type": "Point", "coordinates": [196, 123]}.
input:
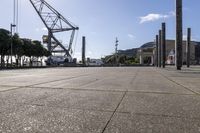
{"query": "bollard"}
{"type": "Point", "coordinates": [83, 51]}
{"type": "Point", "coordinates": [163, 44]}
{"type": "Point", "coordinates": [188, 46]}
{"type": "Point", "coordinates": [159, 49]}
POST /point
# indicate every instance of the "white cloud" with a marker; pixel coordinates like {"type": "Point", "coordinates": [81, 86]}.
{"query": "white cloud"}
{"type": "Point", "coordinates": [154, 17]}
{"type": "Point", "coordinates": [131, 36]}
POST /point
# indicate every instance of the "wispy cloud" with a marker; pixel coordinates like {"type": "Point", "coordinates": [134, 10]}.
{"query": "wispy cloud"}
{"type": "Point", "coordinates": [131, 36]}
{"type": "Point", "coordinates": [155, 16]}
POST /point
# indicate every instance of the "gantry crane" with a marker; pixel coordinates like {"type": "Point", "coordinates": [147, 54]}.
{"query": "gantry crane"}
{"type": "Point", "coordinates": [55, 23]}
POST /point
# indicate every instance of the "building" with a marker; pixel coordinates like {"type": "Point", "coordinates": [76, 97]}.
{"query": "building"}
{"type": "Point", "coordinates": [94, 62]}
{"type": "Point", "coordinates": [146, 53]}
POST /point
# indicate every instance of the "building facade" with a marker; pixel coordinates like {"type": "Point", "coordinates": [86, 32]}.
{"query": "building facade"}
{"type": "Point", "coordinates": [147, 53]}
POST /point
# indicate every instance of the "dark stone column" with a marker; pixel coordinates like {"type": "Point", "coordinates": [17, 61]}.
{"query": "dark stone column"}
{"type": "Point", "coordinates": [179, 34]}
{"type": "Point", "coordinates": [83, 50]}
{"type": "Point", "coordinates": [163, 44]}
{"type": "Point", "coordinates": [159, 49]}
{"type": "Point", "coordinates": [49, 41]}
{"type": "Point", "coordinates": [188, 46]}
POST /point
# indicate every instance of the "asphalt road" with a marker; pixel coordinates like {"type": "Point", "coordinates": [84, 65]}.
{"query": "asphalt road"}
{"type": "Point", "coordinates": [100, 100]}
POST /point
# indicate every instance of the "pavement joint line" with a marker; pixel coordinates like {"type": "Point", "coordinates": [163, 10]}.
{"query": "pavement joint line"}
{"type": "Point", "coordinates": [103, 90]}
{"type": "Point", "coordinates": [9, 86]}
{"type": "Point", "coordinates": [158, 115]}
{"type": "Point", "coordinates": [10, 89]}
{"type": "Point", "coordinates": [69, 78]}
{"type": "Point", "coordinates": [78, 89]}
{"type": "Point", "coordinates": [186, 88]}
{"type": "Point", "coordinates": [161, 93]}
{"type": "Point", "coordinates": [83, 109]}
{"type": "Point", "coordinates": [91, 82]}
{"type": "Point", "coordinates": [32, 86]}
{"type": "Point", "coordinates": [114, 112]}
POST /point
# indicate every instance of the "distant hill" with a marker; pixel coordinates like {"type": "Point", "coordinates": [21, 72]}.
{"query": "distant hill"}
{"type": "Point", "coordinates": [133, 52]}
{"type": "Point", "coordinates": [129, 52]}
{"type": "Point", "coordinates": [148, 45]}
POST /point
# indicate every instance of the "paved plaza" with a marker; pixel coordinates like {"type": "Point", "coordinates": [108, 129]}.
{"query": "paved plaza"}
{"type": "Point", "coordinates": [100, 100]}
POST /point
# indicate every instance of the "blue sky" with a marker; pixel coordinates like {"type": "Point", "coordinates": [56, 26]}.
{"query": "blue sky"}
{"type": "Point", "coordinates": [134, 22]}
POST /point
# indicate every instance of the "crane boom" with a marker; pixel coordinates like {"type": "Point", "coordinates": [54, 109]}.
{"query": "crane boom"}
{"type": "Point", "coordinates": [55, 23]}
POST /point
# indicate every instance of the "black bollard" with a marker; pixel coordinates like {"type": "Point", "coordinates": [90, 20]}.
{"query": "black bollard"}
{"type": "Point", "coordinates": [159, 49]}
{"type": "Point", "coordinates": [163, 44]}
{"type": "Point", "coordinates": [83, 51]}
{"type": "Point", "coordinates": [188, 46]}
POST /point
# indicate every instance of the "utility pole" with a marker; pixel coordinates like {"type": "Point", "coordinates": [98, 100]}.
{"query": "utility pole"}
{"type": "Point", "coordinates": [11, 44]}
{"type": "Point", "coordinates": [159, 49]}
{"type": "Point", "coordinates": [179, 34]}
{"type": "Point", "coordinates": [83, 50]}
{"type": "Point", "coordinates": [188, 46]}
{"type": "Point", "coordinates": [15, 15]}
{"type": "Point", "coordinates": [116, 50]}
{"type": "Point", "coordinates": [163, 44]}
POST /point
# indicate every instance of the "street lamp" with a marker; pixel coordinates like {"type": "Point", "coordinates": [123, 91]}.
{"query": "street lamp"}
{"type": "Point", "coordinates": [11, 50]}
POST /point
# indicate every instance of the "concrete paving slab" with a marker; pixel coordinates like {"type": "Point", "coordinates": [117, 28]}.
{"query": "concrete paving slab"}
{"type": "Point", "coordinates": [34, 119]}
{"type": "Point", "coordinates": [117, 99]}
{"type": "Point", "coordinates": [157, 84]}
{"type": "Point", "coordinates": [30, 80]}
{"type": "Point", "coordinates": [142, 123]}
{"type": "Point", "coordinates": [79, 99]}
{"type": "Point", "coordinates": [189, 82]}
{"type": "Point", "coordinates": [10, 100]}
{"type": "Point", "coordinates": [161, 104]}
{"type": "Point", "coordinates": [115, 84]}
{"type": "Point", "coordinates": [76, 82]}
{"type": "Point", "coordinates": [152, 81]}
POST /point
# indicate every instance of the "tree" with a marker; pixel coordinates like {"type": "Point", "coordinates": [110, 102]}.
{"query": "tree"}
{"type": "Point", "coordinates": [28, 52]}
{"type": "Point", "coordinates": [22, 48]}
{"type": "Point", "coordinates": [18, 50]}
{"type": "Point", "coordinates": [4, 44]}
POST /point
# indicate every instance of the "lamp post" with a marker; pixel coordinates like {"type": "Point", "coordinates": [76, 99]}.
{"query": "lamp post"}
{"type": "Point", "coordinates": [11, 45]}
{"type": "Point", "coordinates": [116, 50]}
